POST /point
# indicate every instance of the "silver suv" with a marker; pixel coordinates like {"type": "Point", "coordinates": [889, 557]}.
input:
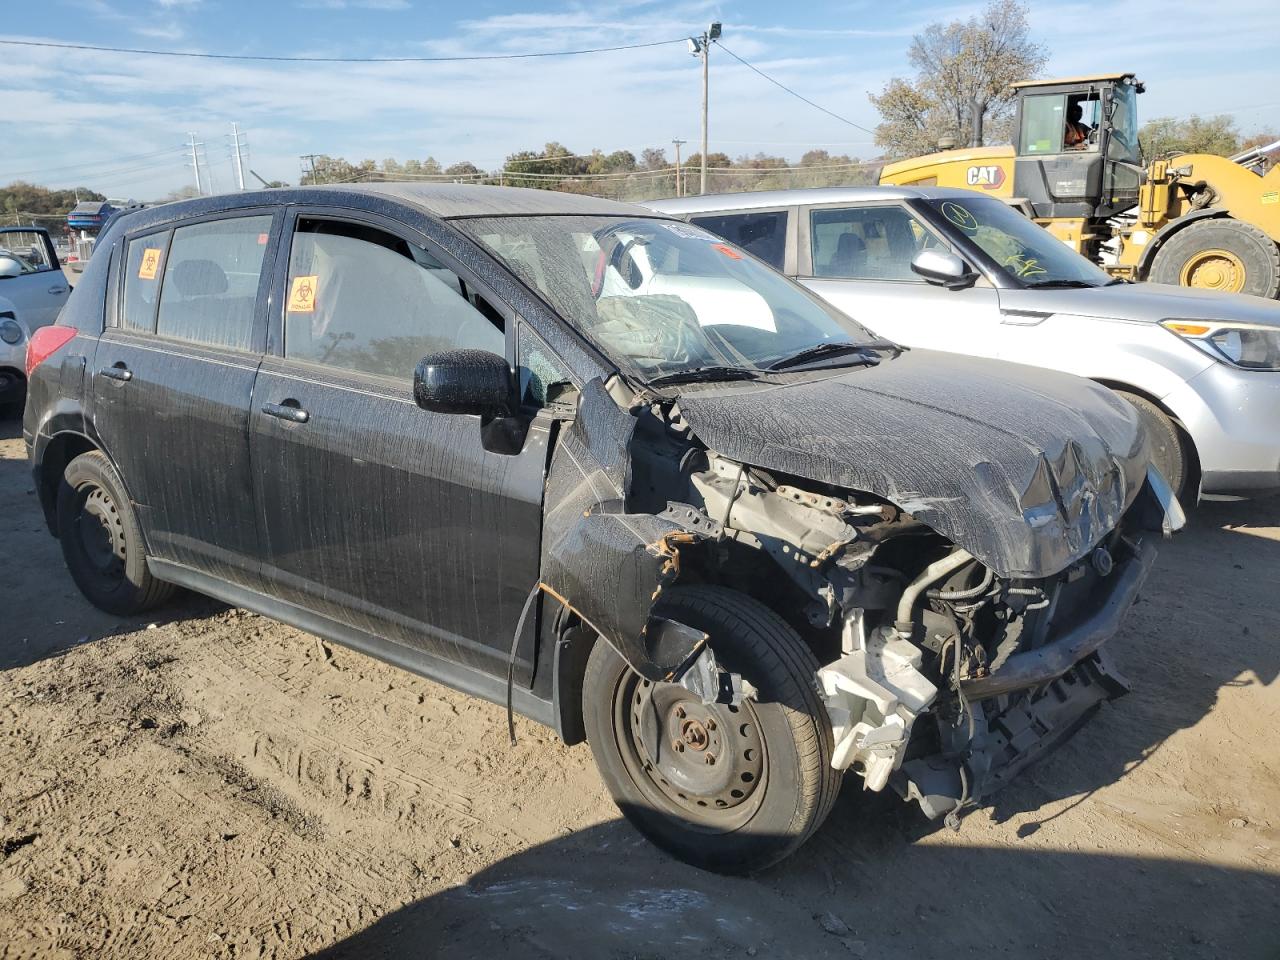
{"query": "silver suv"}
{"type": "Point", "coordinates": [954, 270]}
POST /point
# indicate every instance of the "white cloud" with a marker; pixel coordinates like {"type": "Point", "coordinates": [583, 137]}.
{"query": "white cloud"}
{"type": "Point", "coordinates": [483, 111]}
{"type": "Point", "coordinates": [353, 4]}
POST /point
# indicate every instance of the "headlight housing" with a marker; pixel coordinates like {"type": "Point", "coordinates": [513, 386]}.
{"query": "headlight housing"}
{"type": "Point", "coordinates": [1246, 346]}
{"type": "Point", "coordinates": [10, 331]}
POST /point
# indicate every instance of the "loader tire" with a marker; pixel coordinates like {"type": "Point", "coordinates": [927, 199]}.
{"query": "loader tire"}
{"type": "Point", "coordinates": [1220, 254]}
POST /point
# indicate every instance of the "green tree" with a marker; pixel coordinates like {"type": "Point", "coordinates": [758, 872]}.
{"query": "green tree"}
{"type": "Point", "coordinates": [554, 160]}
{"type": "Point", "coordinates": [1165, 136]}
{"type": "Point", "coordinates": [21, 197]}
{"type": "Point", "coordinates": [961, 87]}
{"type": "Point", "coordinates": [461, 169]}
{"type": "Point", "coordinates": [653, 158]}
{"type": "Point", "coordinates": [326, 169]}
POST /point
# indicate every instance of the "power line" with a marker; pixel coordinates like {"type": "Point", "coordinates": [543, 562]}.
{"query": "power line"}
{"type": "Point", "coordinates": [798, 96]}
{"type": "Point", "coordinates": [94, 163]}
{"type": "Point", "coordinates": [236, 56]}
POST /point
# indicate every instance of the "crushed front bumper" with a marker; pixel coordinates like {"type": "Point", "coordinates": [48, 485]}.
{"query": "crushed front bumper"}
{"type": "Point", "coordinates": [1032, 703]}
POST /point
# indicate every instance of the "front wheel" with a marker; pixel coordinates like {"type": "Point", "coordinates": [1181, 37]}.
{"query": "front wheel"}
{"type": "Point", "coordinates": [727, 788]}
{"type": "Point", "coordinates": [1168, 452]}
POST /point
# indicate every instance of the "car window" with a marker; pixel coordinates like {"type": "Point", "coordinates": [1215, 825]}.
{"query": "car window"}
{"type": "Point", "coordinates": [761, 234]}
{"type": "Point", "coordinates": [1043, 124]}
{"type": "Point", "coordinates": [867, 243]}
{"type": "Point", "coordinates": [366, 300]}
{"type": "Point", "coordinates": [143, 268]}
{"type": "Point", "coordinates": [210, 283]}
{"type": "Point", "coordinates": [27, 249]}
{"type": "Point", "coordinates": [540, 371]}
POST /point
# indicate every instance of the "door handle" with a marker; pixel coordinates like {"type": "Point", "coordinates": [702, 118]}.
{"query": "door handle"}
{"type": "Point", "coordinates": [117, 372]}
{"type": "Point", "coordinates": [56, 289]}
{"type": "Point", "coordinates": [289, 410]}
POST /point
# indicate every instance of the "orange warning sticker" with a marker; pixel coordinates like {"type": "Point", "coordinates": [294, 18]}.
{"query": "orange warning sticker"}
{"type": "Point", "coordinates": [150, 263]}
{"type": "Point", "coordinates": [729, 252]}
{"type": "Point", "coordinates": [302, 294]}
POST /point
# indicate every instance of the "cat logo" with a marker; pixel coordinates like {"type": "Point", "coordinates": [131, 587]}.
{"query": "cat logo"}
{"type": "Point", "coordinates": [988, 178]}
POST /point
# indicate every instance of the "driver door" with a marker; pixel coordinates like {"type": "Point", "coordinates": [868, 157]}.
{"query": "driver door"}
{"type": "Point", "coordinates": [373, 512]}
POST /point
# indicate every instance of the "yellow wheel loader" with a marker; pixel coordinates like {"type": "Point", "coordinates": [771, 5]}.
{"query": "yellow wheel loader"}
{"type": "Point", "coordinates": [1075, 168]}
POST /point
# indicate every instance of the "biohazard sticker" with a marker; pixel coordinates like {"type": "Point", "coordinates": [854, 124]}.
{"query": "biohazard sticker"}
{"type": "Point", "coordinates": [150, 264]}
{"type": "Point", "coordinates": [302, 294]}
{"type": "Point", "coordinates": [728, 251]}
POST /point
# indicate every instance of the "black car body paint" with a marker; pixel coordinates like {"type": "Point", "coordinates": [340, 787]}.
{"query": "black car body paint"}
{"type": "Point", "coordinates": [416, 536]}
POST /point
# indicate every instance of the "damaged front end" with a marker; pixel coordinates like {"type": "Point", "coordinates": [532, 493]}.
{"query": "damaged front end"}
{"type": "Point", "coordinates": [946, 666]}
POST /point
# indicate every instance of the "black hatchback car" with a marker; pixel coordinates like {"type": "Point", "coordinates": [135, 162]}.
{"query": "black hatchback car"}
{"type": "Point", "coordinates": [601, 466]}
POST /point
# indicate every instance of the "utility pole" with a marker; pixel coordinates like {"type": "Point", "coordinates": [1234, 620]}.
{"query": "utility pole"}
{"type": "Point", "coordinates": [195, 163]}
{"type": "Point", "coordinates": [236, 156]}
{"type": "Point", "coordinates": [677, 144]}
{"type": "Point", "coordinates": [311, 160]}
{"type": "Point", "coordinates": [701, 46]}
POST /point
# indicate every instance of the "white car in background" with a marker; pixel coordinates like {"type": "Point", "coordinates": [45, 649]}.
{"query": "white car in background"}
{"type": "Point", "coordinates": [32, 292]}
{"type": "Point", "coordinates": [957, 271]}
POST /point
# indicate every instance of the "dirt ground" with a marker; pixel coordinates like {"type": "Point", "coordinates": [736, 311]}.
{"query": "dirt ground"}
{"type": "Point", "coordinates": [209, 783]}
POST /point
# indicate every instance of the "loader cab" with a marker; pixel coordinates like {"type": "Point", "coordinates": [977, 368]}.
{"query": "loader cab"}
{"type": "Point", "coordinates": [1077, 146]}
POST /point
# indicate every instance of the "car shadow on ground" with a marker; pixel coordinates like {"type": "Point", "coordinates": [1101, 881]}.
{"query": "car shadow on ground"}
{"type": "Point", "coordinates": [856, 890]}
{"type": "Point", "coordinates": [1207, 620]}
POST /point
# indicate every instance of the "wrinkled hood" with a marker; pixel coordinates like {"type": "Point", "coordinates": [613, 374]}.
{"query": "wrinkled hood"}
{"type": "Point", "coordinates": [1150, 302]}
{"type": "Point", "coordinates": [1023, 467]}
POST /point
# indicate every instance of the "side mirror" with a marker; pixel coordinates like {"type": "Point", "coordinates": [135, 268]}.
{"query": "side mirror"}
{"type": "Point", "coordinates": [943, 268]}
{"type": "Point", "coordinates": [464, 382]}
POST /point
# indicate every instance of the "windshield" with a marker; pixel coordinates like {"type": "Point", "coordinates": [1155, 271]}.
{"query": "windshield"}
{"type": "Point", "coordinates": [1024, 251]}
{"type": "Point", "coordinates": [664, 297]}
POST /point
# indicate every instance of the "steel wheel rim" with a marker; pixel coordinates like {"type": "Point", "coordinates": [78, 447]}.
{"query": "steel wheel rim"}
{"type": "Point", "coordinates": [100, 536]}
{"type": "Point", "coordinates": [719, 796]}
{"type": "Point", "coordinates": [1214, 269]}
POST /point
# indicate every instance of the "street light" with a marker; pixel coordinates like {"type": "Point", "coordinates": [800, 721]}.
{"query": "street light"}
{"type": "Point", "coordinates": [700, 47]}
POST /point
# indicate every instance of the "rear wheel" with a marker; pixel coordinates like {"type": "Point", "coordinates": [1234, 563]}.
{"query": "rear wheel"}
{"type": "Point", "coordinates": [727, 788]}
{"type": "Point", "coordinates": [101, 539]}
{"type": "Point", "coordinates": [1220, 254]}
{"type": "Point", "coordinates": [1168, 452]}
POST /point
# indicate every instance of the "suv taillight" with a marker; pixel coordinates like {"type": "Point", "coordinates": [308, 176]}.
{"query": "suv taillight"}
{"type": "Point", "coordinates": [44, 343]}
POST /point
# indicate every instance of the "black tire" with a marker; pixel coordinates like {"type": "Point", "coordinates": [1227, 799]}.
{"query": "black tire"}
{"type": "Point", "coordinates": [1168, 451]}
{"type": "Point", "coordinates": [774, 750]}
{"type": "Point", "coordinates": [101, 540]}
{"type": "Point", "coordinates": [1226, 254]}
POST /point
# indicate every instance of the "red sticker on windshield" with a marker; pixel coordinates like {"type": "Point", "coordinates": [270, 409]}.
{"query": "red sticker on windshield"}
{"type": "Point", "coordinates": [262, 239]}
{"type": "Point", "coordinates": [729, 252]}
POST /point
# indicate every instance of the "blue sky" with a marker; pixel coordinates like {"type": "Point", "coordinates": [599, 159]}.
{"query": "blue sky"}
{"type": "Point", "coordinates": [81, 118]}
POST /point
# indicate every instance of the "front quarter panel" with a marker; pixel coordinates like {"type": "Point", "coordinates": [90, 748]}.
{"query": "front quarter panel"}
{"type": "Point", "coordinates": [1135, 353]}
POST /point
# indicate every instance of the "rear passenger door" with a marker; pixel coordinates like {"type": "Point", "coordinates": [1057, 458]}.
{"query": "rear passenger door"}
{"type": "Point", "coordinates": [388, 518]}
{"type": "Point", "coordinates": [173, 375]}
{"type": "Point", "coordinates": [858, 258]}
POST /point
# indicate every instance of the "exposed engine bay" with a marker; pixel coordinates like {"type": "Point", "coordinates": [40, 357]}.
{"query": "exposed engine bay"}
{"type": "Point", "coordinates": [942, 675]}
